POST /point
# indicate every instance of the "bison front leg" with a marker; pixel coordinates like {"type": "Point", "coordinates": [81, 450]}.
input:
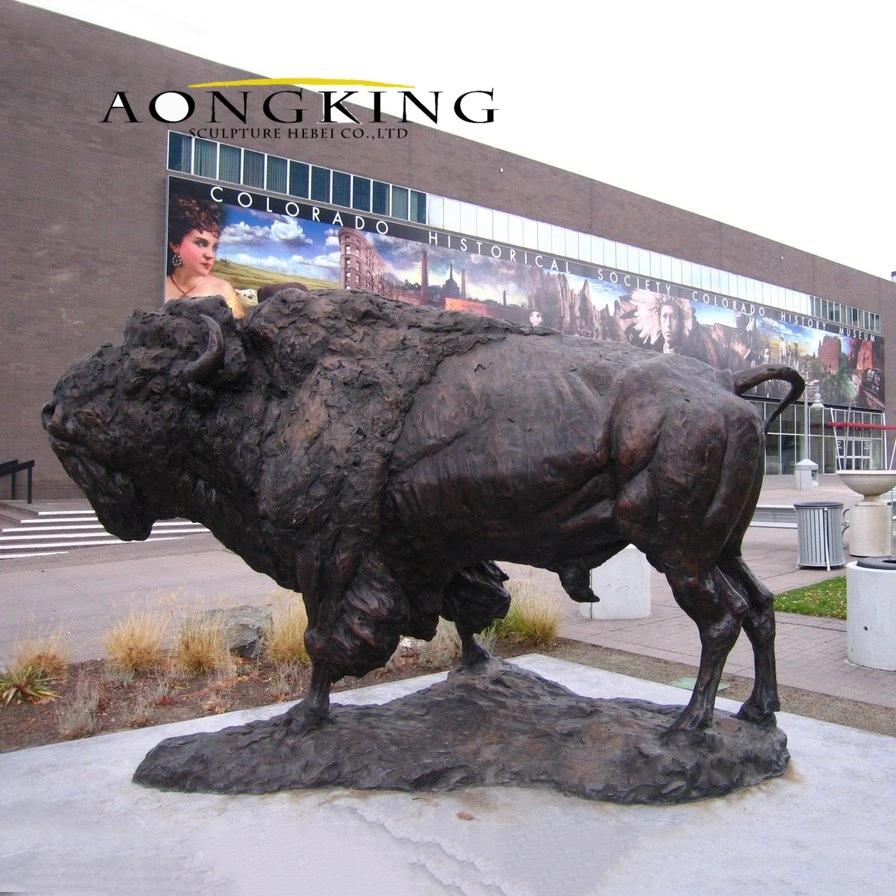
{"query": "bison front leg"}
{"type": "Point", "coordinates": [354, 625]}
{"type": "Point", "coordinates": [314, 710]}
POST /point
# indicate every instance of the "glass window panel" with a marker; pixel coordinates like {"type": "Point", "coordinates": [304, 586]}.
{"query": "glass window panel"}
{"type": "Point", "coordinates": [342, 188]}
{"type": "Point", "coordinates": [530, 233]}
{"type": "Point", "coordinates": [361, 194]}
{"type": "Point", "coordinates": [381, 204]}
{"type": "Point", "coordinates": [515, 230]}
{"type": "Point", "coordinates": [643, 262]}
{"type": "Point", "coordinates": [298, 179]}
{"type": "Point", "coordinates": [180, 148]}
{"type": "Point", "coordinates": [484, 226]}
{"type": "Point", "coordinates": [558, 240]}
{"type": "Point", "coordinates": [500, 226]}
{"type": "Point", "coordinates": [609, 252]}
{"type": "Point", "coordinates": [451, 214]}
{"type": "Point", "coordinates": [621, 256]}
{"type": "Point", "coordinates": [277, 174]}
{"type": "Point", "coordinates": [543, 239]}
{"type": "Point", "coordinates": [467, 218]}
{"type": "Point", "coordinates": [676, 275]}
{"type": "Point", "coordinates": [437, 211]}
{"type": "Point", "coordinates": [253, 168]}
{"type": "Point", "coordinates": [400, 203]}
{"type": "Point", "coordinates": [230, 161]}
{"type": "Point", "coordinates": [418, 207]}
{"type": "Point", "coordinates": [320, 184]}
{"type": "Point", "coordinates": [205, 158]}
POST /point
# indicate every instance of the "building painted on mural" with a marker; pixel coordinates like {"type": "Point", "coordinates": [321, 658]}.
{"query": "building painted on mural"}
{"type": "Point", "coordinates": [106, 140]}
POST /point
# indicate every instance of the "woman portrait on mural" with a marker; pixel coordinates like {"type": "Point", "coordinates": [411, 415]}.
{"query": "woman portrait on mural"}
{"type": "Point", "coordinates": [194, 231]}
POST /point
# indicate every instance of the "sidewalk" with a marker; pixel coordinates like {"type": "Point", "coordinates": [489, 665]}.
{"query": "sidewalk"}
{"type": "Point", "coordinates": [810, 652]}
{"type": "Point", "coordinates": [83, 592]}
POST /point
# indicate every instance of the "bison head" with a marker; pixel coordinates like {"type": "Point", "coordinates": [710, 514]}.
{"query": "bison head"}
{"type": "Point", "coordinates": [120, 418]}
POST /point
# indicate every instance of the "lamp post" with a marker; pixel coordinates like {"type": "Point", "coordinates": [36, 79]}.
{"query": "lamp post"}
{"type": "Point", "coordinates": [804, 470]}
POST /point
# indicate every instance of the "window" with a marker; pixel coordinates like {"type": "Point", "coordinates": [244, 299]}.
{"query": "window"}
{"type": "Point", "coordinates": [381, 204]}
{"type": "Point", "coordinates": [399, 203]}
{"type": "Point", "coordinates": [205, 162]}
{"type": "Point", "coordinates": [253, 168]}
{"type": "Point", "coordinates": [298, 180]}
{"type": "Point", "coordinates": [361, 194]}
{"type": "Point", "coordinates": [320, 184]}
{"type": "Point", "coordinates": [342, 189]}
{"type": "Point", "coordinates": [418, 207]}
{"type": "Point", "coordinates": [277, 174]}
{"type": "Point", "coordinates": [230, 164]}
{"type": "Point", "coordinates": [180, 150]}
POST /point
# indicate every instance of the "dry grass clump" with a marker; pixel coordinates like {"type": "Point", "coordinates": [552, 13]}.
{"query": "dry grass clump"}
{"type": "Point", "coordinates": [533, 618]}
{"type": "Point", "coordinates": [443, 650]}
{"type": "Point", "coordinates": [36, 664]}
{"type": "Point", "coordinates": [284, 682]}
{"type": "Point", "coordinates": [201, 646]}
{"type": "Point", "coordinates": [136, 644]}
{"type": "Point", "coordinates": [79, 715]}
{"type": "Point", "coordinates": [285, 638]}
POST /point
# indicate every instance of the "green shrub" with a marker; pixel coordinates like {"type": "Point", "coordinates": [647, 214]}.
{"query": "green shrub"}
{"type": "Point", "coordinates": [36, 664]}
{"type": "Point", "coordinates": [25, 684]}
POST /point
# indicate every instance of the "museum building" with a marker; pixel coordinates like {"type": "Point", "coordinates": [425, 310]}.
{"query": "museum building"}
{"type": "Point", "coordinates": [104, 133]}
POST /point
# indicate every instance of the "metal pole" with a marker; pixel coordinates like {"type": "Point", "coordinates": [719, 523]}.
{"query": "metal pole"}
{"type": "Point", "coordinates": [806, 423]}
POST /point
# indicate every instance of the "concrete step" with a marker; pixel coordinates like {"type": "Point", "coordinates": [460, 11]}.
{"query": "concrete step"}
{"type": "Point", "coordinates": [28, 531]}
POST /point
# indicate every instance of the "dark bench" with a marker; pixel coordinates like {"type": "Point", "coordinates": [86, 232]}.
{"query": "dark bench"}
{"type": "Point", "coordinates": [11, 468]}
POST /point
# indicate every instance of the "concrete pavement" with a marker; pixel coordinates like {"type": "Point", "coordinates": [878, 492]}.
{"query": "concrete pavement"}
{"type": "Point", "coordinates": [75, 823]}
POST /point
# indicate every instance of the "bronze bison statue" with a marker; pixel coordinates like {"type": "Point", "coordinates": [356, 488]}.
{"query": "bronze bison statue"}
{"type": "Point", "coordinates": [379, 457]}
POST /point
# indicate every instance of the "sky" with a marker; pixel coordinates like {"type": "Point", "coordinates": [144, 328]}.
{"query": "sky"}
{"type": "Point", "coordinates": [774, 117]}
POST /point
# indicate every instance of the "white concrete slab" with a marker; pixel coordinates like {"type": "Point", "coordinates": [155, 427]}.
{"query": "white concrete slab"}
{"type": "Point", "coordinates": [72, 821]}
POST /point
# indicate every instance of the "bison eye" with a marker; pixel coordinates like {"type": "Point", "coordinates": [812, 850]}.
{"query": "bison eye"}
{"type": "Point", "coordinates": [91, 418]}
{"type": "Point", "coordinates": [157, 386]}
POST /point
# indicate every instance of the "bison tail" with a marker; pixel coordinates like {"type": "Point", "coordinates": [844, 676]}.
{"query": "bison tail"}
{"type": "Point", "coordinates": [744, 380]}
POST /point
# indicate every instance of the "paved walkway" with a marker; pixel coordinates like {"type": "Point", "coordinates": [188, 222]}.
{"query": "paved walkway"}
{"type": "Point", "coordinates": [81, 593]}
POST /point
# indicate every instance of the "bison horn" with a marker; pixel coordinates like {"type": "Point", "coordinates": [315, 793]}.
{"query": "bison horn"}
{"type": "Point", "coordinates": [212, 359]}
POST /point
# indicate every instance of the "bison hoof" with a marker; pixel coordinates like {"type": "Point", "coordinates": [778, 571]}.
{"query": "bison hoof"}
{"type": "Point", "coordinates": [690, 720]}
{"type": "Point", "coordinates": [474, 655]}
{"type": "Point", "coordinates": [303, 718]}
{"type": "Point", "coordinates": [750, 712]}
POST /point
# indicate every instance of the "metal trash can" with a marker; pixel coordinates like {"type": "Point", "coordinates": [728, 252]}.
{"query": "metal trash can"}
{"type": "Point", "coordinates": [819, 528]}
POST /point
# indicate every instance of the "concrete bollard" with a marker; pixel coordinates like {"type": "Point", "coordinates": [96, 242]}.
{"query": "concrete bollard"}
{"type": "Point", "coordinates": [871, 613]}
{"type": "Point", "coordinates": [623, 586]}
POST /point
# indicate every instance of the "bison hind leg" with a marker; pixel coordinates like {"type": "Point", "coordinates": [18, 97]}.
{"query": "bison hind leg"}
{"type": "Point", "coordinates": [472, 600]}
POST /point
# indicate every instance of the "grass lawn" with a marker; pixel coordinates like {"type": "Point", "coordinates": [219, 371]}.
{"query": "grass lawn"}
{"type": "Point", "coordinates": [824, 599]}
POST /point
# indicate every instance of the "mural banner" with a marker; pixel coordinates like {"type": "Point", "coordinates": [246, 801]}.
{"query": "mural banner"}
{"type": "Point", "coordinates": [265, 242]}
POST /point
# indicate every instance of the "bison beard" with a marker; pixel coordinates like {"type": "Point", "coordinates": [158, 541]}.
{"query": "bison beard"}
{"type": "Point", "coordinates": [378, 457]}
